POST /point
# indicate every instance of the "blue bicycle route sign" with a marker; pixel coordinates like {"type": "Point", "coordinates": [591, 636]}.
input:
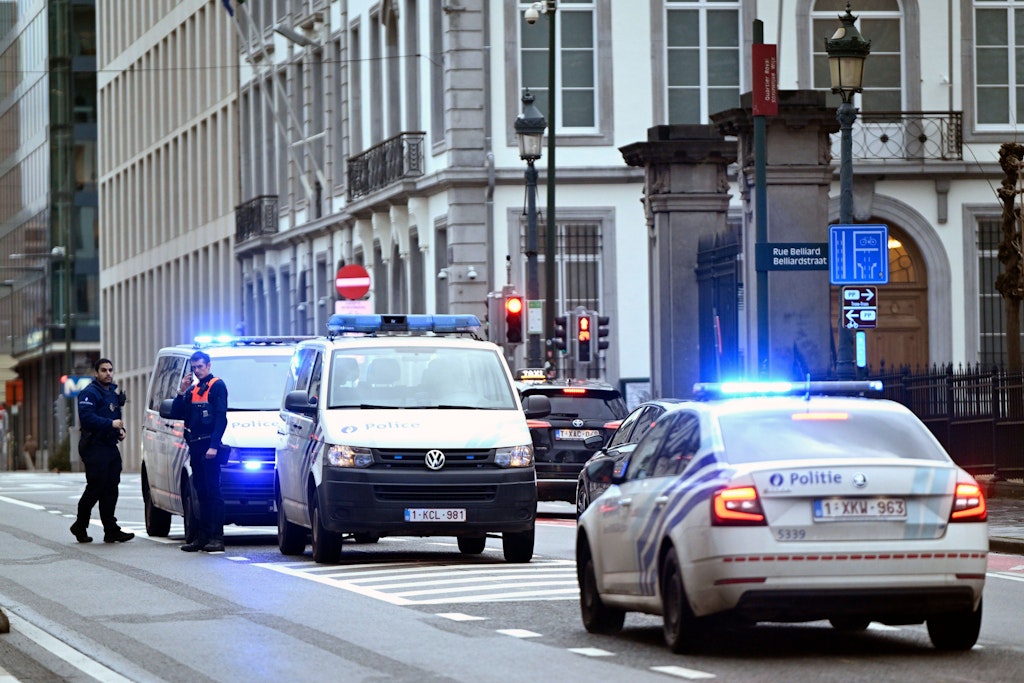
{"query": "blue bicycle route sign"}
{"type": "Point", "coordinates": [858, 254]}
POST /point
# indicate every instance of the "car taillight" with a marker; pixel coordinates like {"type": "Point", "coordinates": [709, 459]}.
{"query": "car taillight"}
{"type": "Point", "coordinates": [736, 507]}
{"type": "Point", "coordinates": [613, 425]}
{"type": "Point", "coordinates": [968, 504]}
{"type": "Point", "coordinates": [538, 424]}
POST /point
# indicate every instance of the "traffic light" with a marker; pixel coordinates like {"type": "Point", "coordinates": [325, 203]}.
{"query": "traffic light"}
{"type": "Point", "coordinates": [583, 337]}
{"type": "Point", "coordinates": [602, 332]}
{"type": "Point", "coordinates": [514, 319]}
{"type": "Point", "coordinates": [561, 340]}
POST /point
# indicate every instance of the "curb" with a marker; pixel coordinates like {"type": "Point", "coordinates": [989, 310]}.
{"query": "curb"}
{"type": "Point", "coordinates": [1011, 546]}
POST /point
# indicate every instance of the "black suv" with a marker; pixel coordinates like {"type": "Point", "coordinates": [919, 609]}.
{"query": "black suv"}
{"type": "Point", "coordinates": [579, 409]}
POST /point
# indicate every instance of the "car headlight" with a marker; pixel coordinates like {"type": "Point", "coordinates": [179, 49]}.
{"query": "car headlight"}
{"type": "Point", "coordinates": [514, 456]}
{"type": "Point", "coordinates": [349, 456]}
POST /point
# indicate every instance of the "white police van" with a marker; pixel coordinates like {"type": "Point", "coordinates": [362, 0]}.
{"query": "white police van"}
{"type": "Point", "coordinates": [254, 369]}
{"type": "Point", "coordinates": [405, 425]}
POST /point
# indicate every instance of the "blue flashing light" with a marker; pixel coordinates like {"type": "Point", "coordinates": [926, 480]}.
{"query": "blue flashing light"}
{"type": "Point", "coordinates": [252, 464]}
{"type": "Point", "coordinates": [713, 390]}
{"type": "Point", "coordinates": [340, 323]}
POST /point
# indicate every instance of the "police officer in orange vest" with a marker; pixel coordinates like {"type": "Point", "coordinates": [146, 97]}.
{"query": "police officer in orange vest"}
{"type": "Point", "coordinates": [204, 408]}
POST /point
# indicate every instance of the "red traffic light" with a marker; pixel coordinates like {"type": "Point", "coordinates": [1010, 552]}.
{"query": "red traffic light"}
{"type": "Point", "coordinates": [514, 304]}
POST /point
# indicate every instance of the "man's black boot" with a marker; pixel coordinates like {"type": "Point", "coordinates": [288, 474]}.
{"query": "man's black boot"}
{"type": "Point", "coordinates": [193, 547]}
{"type": "Point", "coordinates": [80, 535]}
{"type": "Point", "coordinates": [214, 547]}
{"type": "Point", "coordinates": [118, 536]}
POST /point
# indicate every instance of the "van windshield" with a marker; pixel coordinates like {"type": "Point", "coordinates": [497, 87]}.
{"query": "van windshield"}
{"type": "Point", "coordinates": [254, 383]}
{"type": "Point", "coordinates": [419, 377]}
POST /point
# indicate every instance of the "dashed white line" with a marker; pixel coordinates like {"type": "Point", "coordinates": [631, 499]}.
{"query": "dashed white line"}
{"type": "Point", "coordinates": [518, 633]}
{"type": "Point", "coordinates": [459, 616]}
{"type": "Point", "coordinates": [591, 652]}
{"type": "Point", "coordinates": [680, 672]}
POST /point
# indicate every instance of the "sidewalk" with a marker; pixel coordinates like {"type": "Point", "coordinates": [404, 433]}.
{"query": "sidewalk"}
{"type": "Point", "coordinates": [1005, 515]}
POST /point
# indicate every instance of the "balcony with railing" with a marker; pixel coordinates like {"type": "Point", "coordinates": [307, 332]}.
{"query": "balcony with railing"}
{"type": "Point", "coordinates": [255, 218]}
{"type": "Point", "coordinates": [906, 136]}
{"type": "Point", "coordinates": [383, 164]}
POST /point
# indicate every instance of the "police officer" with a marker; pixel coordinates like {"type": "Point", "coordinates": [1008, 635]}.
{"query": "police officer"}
{"type": "Point", "coordinates": [204, 408]}
{"type": "Point", "coordinates": [99, 413]}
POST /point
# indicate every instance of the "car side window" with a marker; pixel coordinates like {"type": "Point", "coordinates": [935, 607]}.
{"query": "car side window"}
{"type": "Point", "coordinates": [678, 448]}
{"type": "Point", "coordinates": [622, 434]}
{"type": "Point", "coordinates": [645, 422]}
{"type": "Point", "coordinates": [166, 379]}
{"type": "Point", "coordinates": [314, 379]}
{"type": "Point", "coordinates": [643, 457]}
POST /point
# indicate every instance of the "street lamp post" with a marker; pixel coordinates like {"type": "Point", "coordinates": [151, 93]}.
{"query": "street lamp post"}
{"type": "Point", "coordinates": [548, 7]}
{"type": "Point", "coordinates": [847, 49]}
{"type": "Point", "coordinates": [530, 125]}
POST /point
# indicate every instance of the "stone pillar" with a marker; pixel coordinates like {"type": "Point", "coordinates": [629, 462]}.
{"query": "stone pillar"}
{"type": "Point", "coordinates": [686, 198]}
{"type": "Point", "coordinates": [798, 176]}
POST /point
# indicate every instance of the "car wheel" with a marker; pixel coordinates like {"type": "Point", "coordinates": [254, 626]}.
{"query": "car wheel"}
{"type": "Point", "coordinates": [849, 624]}
{"type": "Point", "coordinates": [189, 507]}
{"type": "Point", "coordinates": [365, 538]}
{"type": "Point", "coordinates": [472, 545]}
{"type": "Point", "coordinates": [518, 547]}
{"type": "Point", "coordinates": [291, 538]}
{"type": "Point", "coordinates": [956, 631]}
{"type": "Point", "coordinates": [158, 522]}
{"type": "Point", "coordinates": [582, 499]}
{"type": "Point", "coordinates": [597, 617]}
{"type": "Point", "coordinates": [680, 625]}
{"type": "Point", "coordinates": [326, 544]}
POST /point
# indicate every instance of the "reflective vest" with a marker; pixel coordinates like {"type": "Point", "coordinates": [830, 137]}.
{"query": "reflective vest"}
{"type": "Point", "coordinates": [200, 423]}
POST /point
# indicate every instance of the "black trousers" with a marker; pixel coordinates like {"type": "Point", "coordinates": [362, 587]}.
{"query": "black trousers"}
{"type": "Point", "coordinates": [206, 480]}
{"type": "Point", "coordinates": [102, 476]}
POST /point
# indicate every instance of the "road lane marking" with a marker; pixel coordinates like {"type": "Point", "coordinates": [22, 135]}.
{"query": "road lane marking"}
{"type": "Point", "coordinates": [438, 583]}
{"type": "Point", "coordinates": [14, 501]}
{"type": "Point", "coordinates": [680, 672]}
{"type": "Point", "coordinates": [1008, 577]}
{"type": "Point", "coordinates": [459, 616]}
{"type": "Point", "coordinates": [518, 633]}
{"type": "Point", "coordinates": [89, 667]}
{"type": "Point", "coordinates": [591, 652]}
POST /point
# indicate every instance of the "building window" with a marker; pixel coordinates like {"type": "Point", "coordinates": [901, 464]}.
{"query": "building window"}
{"type": "Point", "coordinates": [575, 65]}
{"type": "Point", "coordinates": [881, 22]}
{"type": "Point", "coordinates": [998, 62]}
{"type": "Point", "coordinates": [702, 41]}
{"type": "Point", "coordinates": [991, 309]}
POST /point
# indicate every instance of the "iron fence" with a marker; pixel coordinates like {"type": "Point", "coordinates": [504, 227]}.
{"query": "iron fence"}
{"type": "Point", "coordinates": [976, 412]}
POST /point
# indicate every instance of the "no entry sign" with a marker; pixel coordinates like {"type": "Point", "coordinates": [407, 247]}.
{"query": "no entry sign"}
{"type": "Point", "coordinates": [352, 281]}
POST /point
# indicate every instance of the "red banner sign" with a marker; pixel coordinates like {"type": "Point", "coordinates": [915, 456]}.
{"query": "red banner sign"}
{"type": "Point", "coordinates": [765, 80]}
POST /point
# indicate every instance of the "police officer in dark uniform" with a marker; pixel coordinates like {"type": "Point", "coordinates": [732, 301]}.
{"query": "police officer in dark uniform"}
{"type": "Point", "coordinates": [99, 413]}
{"type": "Point", "coordinates": [204, 408]}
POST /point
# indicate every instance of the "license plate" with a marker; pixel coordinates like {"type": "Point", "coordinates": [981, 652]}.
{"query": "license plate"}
{"type": "Point", "coordinates": [576, 434]}
{"type": "Point", "coordinates": [435, 514]}
{"type": "Point", "coordinates": [853, 509]}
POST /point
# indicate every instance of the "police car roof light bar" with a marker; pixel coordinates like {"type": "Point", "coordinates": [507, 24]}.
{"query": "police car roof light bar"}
{"type": "Point", "coordinates": [717, 390]}
{"type": "Point", "coordinates": [206, 340]}
{"type": "Point", "coordinates": [341, 323]}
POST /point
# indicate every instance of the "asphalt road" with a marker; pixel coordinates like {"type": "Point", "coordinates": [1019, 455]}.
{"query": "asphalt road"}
{"type": "Point", "coordinates": [400, 610]}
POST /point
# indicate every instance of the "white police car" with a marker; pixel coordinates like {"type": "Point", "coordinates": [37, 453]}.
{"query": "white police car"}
{"type": "Point", "coordinates": [405, 425]}
{"type": "Point", "coordinates": [800, 503]}
{"type": "Point", "coordinates": [254, 369]}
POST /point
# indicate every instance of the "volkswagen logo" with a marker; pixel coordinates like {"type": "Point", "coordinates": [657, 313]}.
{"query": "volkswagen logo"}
{"type": "Point", "coordinates": [434, 459]}
{"type": "Point", "coordinates": [577, 423]}
{"type": "Point", "coordinates": [859, 480]}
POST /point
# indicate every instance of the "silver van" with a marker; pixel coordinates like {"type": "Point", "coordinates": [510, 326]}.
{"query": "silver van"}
{"type": "Point", "coordinates": [255, 370]}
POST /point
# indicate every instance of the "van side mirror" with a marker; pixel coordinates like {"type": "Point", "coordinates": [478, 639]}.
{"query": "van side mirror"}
{"type": "Point", "coordinates": [298, 402]}
{"type": "Point", "coordinates": [165, 408]}
{"type": "Point", "coordinates": [536, 405]}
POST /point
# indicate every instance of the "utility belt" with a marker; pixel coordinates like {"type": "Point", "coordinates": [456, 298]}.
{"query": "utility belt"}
{"type": "Point", "coordinates": [191, 439]}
